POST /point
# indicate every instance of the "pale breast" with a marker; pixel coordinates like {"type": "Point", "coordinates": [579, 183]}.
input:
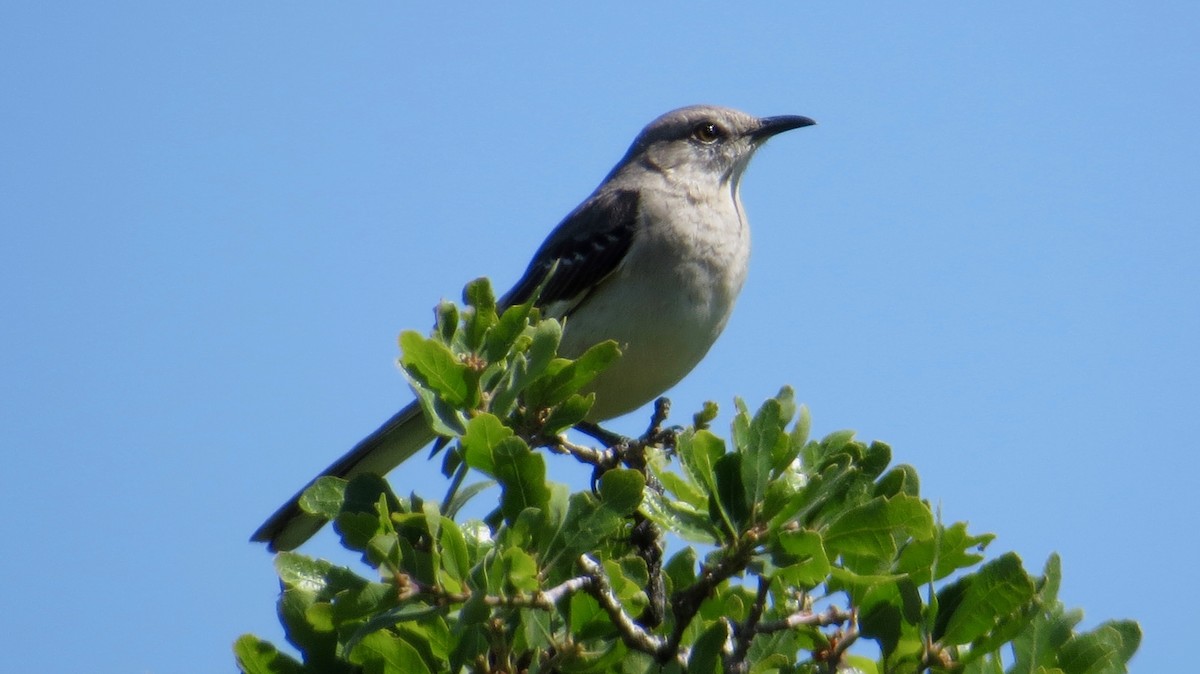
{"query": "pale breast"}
{"type": "Point", "coordinates": [665, 306]}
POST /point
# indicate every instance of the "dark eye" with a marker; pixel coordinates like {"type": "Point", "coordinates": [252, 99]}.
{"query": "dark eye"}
{"type": "Point", "coordinates": [707, 132]}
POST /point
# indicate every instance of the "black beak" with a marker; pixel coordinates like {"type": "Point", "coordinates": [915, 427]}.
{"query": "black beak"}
{"type": "Point", "coordinates": [769, 126]}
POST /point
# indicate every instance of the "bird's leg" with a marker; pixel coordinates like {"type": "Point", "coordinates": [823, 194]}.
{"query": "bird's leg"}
{"type": "Point", "coordinates": [654, 433]}
{"type": "Point", "coordinates": [657, 435]}
{"type": "Point", "coordinates": [607, 437]}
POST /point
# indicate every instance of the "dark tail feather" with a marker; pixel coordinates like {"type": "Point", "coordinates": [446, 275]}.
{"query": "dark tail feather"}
{"type": "Point", "coordinates": [397, 439]}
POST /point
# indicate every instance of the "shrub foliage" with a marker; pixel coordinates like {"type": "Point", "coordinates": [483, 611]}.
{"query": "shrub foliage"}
{"type": "Point", "coordinates": [763, 551]}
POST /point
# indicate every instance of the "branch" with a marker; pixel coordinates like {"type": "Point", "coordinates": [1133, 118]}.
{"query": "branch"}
{"type": "Point", "coordinates": [645, 537]}
{"type": "Point", "coordinates": [545, 600]}
{"type": "Point", "coordinates": [686, 603]}
{"type": "Point", "coordinates": [742, 636]}
{"type": "Point", "coordinates": [647, 540]}
{"type": "Point", "coordinates": [633, 634]}
{"type": "Point", "coordinates": [833, 616]}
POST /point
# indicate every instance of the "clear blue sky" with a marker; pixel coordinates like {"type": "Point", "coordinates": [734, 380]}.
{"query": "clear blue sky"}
{"type": "Point", "coordinates": [218, 216]}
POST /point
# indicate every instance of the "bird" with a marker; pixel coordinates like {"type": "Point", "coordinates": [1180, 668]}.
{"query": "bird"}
{"type": "Point", "coordinates": [653, 259]}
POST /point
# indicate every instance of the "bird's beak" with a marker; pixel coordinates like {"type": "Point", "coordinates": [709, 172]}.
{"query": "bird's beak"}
{"type": "Point", "coordinates": [769, 126]}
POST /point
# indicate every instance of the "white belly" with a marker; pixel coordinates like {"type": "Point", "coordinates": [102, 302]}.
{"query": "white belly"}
{"type": "Point", "coordinates": [686, 288]}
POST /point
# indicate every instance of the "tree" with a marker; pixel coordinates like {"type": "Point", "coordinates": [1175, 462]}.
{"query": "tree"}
{"type": "Point", "coordinates": [813, 555]}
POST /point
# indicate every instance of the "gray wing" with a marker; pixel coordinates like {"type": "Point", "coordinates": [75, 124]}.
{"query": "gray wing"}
{"type": "Point", "coordinates": [588, 245]}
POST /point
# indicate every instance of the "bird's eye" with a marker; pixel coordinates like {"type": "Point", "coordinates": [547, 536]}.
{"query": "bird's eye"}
{"type": "Point", "coordinates": [707, 132]}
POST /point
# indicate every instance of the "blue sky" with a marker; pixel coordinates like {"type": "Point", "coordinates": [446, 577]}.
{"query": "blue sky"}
{"type": "Point", "coordinates": [217, 217]}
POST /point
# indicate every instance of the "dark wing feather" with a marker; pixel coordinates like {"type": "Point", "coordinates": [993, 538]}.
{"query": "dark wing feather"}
{"type": "Point", "coordinates": [588, 245]}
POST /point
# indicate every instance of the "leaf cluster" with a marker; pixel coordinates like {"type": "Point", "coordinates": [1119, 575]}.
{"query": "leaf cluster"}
{"type": "Point", "coordinates": [801, 550]}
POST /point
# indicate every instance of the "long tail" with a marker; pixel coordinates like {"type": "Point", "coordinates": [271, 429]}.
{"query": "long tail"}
{"type": "Point", "coordinates": [397, 439]}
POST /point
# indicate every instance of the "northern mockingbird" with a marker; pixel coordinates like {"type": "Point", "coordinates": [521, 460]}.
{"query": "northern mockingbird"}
{"type": "Point", "coordinates": [653, 259]}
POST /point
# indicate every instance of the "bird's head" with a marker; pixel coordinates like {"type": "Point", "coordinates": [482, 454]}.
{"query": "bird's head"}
{"type": "Point", "coordinates": [705, 142]}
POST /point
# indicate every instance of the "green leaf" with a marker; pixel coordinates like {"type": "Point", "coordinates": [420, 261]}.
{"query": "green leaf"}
{"type": "Point", "coordinates": [384, 551]}
{"type": "Point", "coordinates": [503, 335]}
{"type": "Point", "coordinates": [568, 413]}
{"type": "Point", "coordinates": [522, 477]}
{"type": "Point", "coordinates": [588, 619]}
{"type": "Point", "coordinates": [977, 602]}
{"type": "Point", "coordinates": [382, 653]}
{"type": "Point", "coordinates": [701, 419]}
{"type": "Point", "coordinates": [779, 499]}
{"type": "Point", "coordinates": [470, 644]}
{"type": "Point", "coordinates": [485, 432]}
{"type": "Point", "coordinates": [766, 444]}
{"type": "Point", "coordinates": [681, 568]}
{"type": "Point", "coordinates": [857, 585]}
{"type": "Point", "coordinates": [589, 520]}
{"type": "Point", "coordinates": [1038, 646]}
{"type": "Point", "coordinates": [1006, 629]}
{"type": "Point", "coordinates": [504, 392]}
{"type": "Point", "coordinates": [800, 556]}
{"type": "Point", "coordinates": [447, 321]}
{"type": "Point", "coordinates": [698, 453]}
{"type": "Point", "coordinates": [456, 560]}
{"type": "Point", "coordinates": [435, 367]}
{"type": "Point", "coordinates": [1103, 650]}
{"type": "Point", "coordinates": [706, 652]}
{"type": "Point", "coordinates": [542, 349]}
{"type": "Point", "coordinates": [433, 518]}
{"type": "Point", "coordinates": [901, 479]}
{"type": "Point", "coordinates": [787, 403]}
{"type": "Point", "coordinates": [621, 490]}
{"type": "Point", "coordinates": [465, 494]}
{"type": "Point", "coordinates": [872, 529]}
{"type": "Point", "coordinates": [876, 459]}
{"type": "Point", "coordinates": [318, 647]}
{"type": "Point", "coordinates": [952, 548]}
{"type": "Point", "coordinates": [1051, 580]}
{"type": "Point", "coordinates": [799, 434]}
{"type": "Point", "coordinates": [444, 419]}
{"type": "Point", "coordinates": [740, 428]}
{"type": "Point", "coordinates": [732, 500]}
{"type": "Point", "coordinates": [314, 575]}
{"type": "Point", "coordinates": [818, 455]}
{"type": "Point", "coordinates": [629, 577]}
{"type": "Point", "coordinates": [479, 296]}
{"type": "Point", "coordinates": [636, 662]}
{"type": "Point", "coordinates": [430, 635]}
{"type": "Point", "coordinates": [520, 571]}
{"type": "Point", "coordinates": [821, 498]}
{"type": "Point", "coordinates": [536, 630]}
{"type": "Point", "coordinates": [324, 497]}
{"type": "Point", "coordinates": [353, 605]}
{"type": "Point", "coordinates": [475, 610]}
{"type": "Point", "coordinates": [255, 656]}
{"type": "Point", "coordinates": [557, 385]}
{"type": "Point", "coordinates": [861, 664]}
{"type": "Point", "coordinates": [522, 531]}
{"type": "Point", "coordinates": [367, 503]}
{"type": "Point", "coordinates": [889, 613]}
{"type": "Point", "coordinates": [682, 489]}
{"type": "Point", "coordinates": [777, 652]}
{"type": "Point", "coordinates": [680, 518]}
